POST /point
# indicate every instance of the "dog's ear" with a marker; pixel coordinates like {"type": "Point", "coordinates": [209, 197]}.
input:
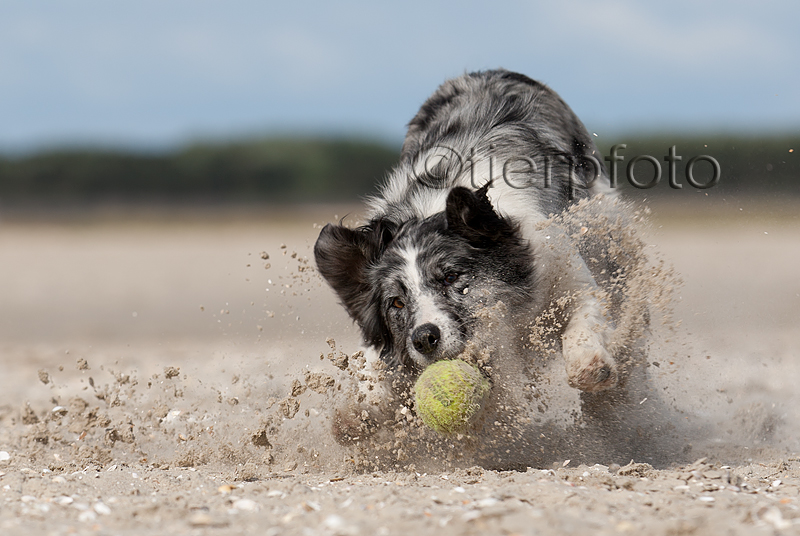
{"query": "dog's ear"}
{"type": "Point", "coordinates": [470, 214]}
{"type": "Point", "coordinates": [343, 256]}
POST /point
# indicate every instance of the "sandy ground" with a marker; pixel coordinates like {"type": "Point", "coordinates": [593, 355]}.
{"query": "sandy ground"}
{"type": "Point", "coordinates": [161, 376]}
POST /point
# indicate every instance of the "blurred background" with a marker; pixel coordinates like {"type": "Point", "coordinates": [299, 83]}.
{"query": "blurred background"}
{"type": "Point", "coordinates": [195, 101]}
{"type": "Point", "coordinates": [150, 150]}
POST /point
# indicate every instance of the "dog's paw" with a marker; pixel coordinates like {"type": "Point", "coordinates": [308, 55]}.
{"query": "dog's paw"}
{"type": "Point", "coordinates": [590, 366]}
{"type": "Point", "coordinates": [352, 424]}
{"type": "Point", "coordinates": [595, 373]}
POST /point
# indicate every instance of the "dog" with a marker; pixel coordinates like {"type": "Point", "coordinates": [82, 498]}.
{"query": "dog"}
{"type": "Point", "coordinates": [457, 227]}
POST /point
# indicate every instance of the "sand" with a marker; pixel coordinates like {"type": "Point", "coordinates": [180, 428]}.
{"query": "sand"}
{"type": "Point", "coordinates": [178, 376]}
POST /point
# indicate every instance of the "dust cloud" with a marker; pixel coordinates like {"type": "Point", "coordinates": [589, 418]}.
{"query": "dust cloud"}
{"type": "Point", "coordinates": [269, 409]}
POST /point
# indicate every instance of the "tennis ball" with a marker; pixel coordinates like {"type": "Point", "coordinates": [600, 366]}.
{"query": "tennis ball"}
{"type": "Point", "coordinates": [449, 394]}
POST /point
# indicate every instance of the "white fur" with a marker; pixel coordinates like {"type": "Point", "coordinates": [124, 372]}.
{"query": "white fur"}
{"type": "Point", "coordinates": [426, 311]}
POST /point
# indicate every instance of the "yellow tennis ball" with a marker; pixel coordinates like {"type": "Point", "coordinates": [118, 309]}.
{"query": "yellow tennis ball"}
{"type": "Point", "coordinates": [449, 394]}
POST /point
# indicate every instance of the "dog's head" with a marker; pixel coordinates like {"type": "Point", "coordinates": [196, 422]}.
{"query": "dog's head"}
{"type": "Point", "coordinates": [415, 288]}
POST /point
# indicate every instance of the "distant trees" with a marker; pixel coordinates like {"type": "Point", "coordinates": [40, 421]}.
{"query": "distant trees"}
{"type": "Point", "coordinates": [342, 169]}
{"type": "Point", "coordinates": [267, 170]}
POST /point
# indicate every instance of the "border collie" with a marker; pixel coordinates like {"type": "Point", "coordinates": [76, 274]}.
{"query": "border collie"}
{"type": "Point", "coordinates": [457, 227]}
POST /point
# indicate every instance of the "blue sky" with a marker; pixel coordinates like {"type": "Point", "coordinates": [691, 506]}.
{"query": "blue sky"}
{"type": "Point", "coordinates": [158, 73]}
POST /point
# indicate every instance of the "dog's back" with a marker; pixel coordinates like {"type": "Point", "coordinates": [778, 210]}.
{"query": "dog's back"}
{"type": "Point", "coordinates": [495, 126]}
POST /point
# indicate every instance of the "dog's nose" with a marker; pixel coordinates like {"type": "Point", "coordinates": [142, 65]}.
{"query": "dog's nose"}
{"type": "Point", "coordinates": [425, 338]}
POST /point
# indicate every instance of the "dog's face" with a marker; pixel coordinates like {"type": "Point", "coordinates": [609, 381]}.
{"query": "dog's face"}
{"type": "Point", "coordinates": [415, 289]}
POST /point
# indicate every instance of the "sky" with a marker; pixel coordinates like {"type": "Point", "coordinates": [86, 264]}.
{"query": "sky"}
{"type": "Point", "coordinates": [161, 73]}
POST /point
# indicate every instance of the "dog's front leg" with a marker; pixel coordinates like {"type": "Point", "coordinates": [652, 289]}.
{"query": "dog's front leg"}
{"type": "Point", "coordinates": [589, 364]}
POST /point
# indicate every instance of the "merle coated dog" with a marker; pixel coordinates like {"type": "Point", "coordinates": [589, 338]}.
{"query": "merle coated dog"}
{"type": "Point", "coordinates": [457, 227]}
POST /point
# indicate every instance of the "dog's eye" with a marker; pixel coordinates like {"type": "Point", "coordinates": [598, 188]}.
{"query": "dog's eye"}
{"type": "Point", "coordinates": [397, 303]}
{"type": "Point", "coordinates": [450, 278]}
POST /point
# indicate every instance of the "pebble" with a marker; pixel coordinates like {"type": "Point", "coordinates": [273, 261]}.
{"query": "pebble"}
{"type": "Point", "coordinates": [101, 508]}
{"type": "Point", "coordinates": [471, 515]}
{"type": "Point", "coordinates": [334, 522]}
{"type": "Point", "coordinates": [245, 505]}
{"type": "Point", "coordinates": [4, 456]}
{"type": "Point", "coordinates": [310, 506]}
{"type": "Point", "coordinates": [697, 464]}
{"type": "Point", "coordinates": [64, 500]}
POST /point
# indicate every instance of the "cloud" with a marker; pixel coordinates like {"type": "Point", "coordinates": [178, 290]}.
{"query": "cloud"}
{"type": "Point", "coordinates": [158, 70]}
{"type": "Point", "coordinates": [675, 35]}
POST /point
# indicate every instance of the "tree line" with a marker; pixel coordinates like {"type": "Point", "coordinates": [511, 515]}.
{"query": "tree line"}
{"type": "Point", "coordinates": [291, 169]}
